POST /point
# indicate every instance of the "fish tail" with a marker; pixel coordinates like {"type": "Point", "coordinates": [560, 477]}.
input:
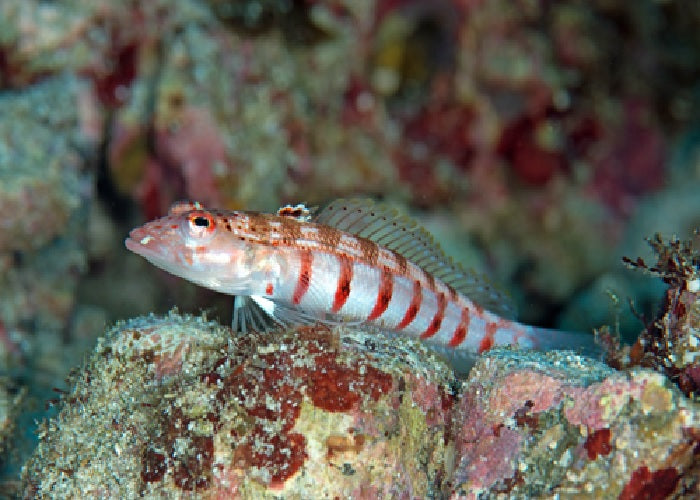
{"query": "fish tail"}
{"type": "Point", "coordinates": [545, 339]}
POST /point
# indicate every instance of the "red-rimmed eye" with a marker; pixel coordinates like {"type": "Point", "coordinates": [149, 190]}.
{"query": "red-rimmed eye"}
{"type": "Point", "coordinates": [200, 224]}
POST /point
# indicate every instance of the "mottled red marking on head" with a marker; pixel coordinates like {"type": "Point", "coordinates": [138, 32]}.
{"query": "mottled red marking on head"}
{"type": "Point", "coordinates": [386, 286]}
{"type": "Point", "coordinates": [413, 308]}
{"type": "Point", "coordinates": [304, 280]}
{"type": "Point", "coordinates": [269, 289]}
{"type": "Point", "coordinates": [342, 291]}
{"type": "Point", "coordinates": [437, 319]}
{"type": "Point", "coordinates": [461, 331]}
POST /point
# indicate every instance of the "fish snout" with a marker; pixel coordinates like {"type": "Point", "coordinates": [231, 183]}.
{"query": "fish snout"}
{"type": "Point", "coordinates": [141, 240]}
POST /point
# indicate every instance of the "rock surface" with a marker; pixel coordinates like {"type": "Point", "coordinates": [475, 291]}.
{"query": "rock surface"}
{"type": "Point", "coordinates": [176, 405]}
{"type": "Point", "coordinates": [172, 405]}
{"type": "Point", "coordinates": [533, 424]}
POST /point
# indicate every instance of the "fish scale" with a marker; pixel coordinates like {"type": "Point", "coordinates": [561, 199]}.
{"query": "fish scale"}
{"type": "Point", "coordinates": [355, 262]}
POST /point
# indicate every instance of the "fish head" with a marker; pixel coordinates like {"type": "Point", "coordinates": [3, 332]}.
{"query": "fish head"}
{"type": "Point", "coordinates": [196, 245]}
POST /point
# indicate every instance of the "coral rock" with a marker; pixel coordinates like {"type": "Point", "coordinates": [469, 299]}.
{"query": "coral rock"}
{"type": "Point", "coordinates": [39, 162]}
{"type": "Point", "coordinates": [172, 405]}
{"type": "Point", "coordinates": [533, 424]}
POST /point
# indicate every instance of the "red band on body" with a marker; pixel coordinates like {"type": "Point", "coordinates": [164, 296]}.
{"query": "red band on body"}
{"type": "Point", "coordinates": [386, 287]}
{"type": "Point", "coordinates": [342, 291]}
{"type": "Point", "coordinates": [304, 276]}
{"type": "Point", "coordinates": [412, 310]}
{"type": "Point", "coordinates": [434, 325]}
{"type": "Point", "coordinates": [461, 332]}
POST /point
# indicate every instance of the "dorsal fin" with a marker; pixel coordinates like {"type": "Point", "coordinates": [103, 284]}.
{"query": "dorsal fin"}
{"type": "Point", "coordinates": [299, 212]}
{"type": "Point", "coordinates": [387, 227]}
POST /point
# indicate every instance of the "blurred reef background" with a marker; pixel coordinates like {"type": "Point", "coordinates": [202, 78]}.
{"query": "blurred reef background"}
{"type": "Point", "coordinates": [540, 142]}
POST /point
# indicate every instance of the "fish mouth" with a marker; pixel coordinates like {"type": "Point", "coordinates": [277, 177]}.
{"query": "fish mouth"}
{"type": "Point", "coordinates": [132, 245]}
{"type": "Point", "coordinates": [141, 243]}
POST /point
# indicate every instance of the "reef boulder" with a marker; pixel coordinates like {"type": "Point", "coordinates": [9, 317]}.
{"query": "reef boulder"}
{"type": "Point", "coordinates": [178, 405]}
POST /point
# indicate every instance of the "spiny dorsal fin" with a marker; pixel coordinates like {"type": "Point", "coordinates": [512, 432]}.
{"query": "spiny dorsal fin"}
{"type": "Point", "coordinates": [299, 212]}
{"type": "Point", "coordinates": [387, 227]}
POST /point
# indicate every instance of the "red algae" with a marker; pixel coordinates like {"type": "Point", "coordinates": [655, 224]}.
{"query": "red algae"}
{"type": "Point", "coordinates": [286, 412]}
{"type": "Point", "coordinates": [155, 466]}
{"type": "Point", "coordinates": [523, 416]}
{"type": "Point", "coordinates": [335, 387]}
{"type": "Point", "coordinates": [191, 472]}
{"type": "Point", "coordinates": [669, 343]}
{"type": "Point", "coordinates": [647, 485]}
{"type": "Point", "coordinates": [527, 420]}
{"type": "Point", "coordinates": [598, 443]}
{"type": "Point", "coordinates": [531, 162]}
{"type": "Point", "coordinates": [331, 385]}
{"type": "Point", "coordinates": [194, 472]}
{"type": "Point", "coordinates": [283, 456]}
{"type": "Point", "coordinates": [110, 85]}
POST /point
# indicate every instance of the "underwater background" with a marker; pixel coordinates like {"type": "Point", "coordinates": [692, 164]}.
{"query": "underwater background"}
{"type": "Point", "coordinates": [542, 143]}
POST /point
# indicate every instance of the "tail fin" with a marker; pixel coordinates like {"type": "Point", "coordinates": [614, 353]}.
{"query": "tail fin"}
{"type": "Point", "coordinates": [545, 339]}
{"type": "Point", "coordinates": [541, 339]}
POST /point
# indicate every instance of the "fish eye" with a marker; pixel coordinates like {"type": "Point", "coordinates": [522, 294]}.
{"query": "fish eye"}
{"type": "Point", "coordinates": [201, 221]}
{"type": "Point", "coordinates": [200, 224]}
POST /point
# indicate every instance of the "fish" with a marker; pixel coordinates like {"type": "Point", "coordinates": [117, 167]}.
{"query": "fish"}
{"type": "Point", "coordinates": [356, 262]}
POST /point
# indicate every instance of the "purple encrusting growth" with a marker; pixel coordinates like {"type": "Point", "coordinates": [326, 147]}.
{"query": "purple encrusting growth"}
{"type": "Point", "coordinates": [531, 425]}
